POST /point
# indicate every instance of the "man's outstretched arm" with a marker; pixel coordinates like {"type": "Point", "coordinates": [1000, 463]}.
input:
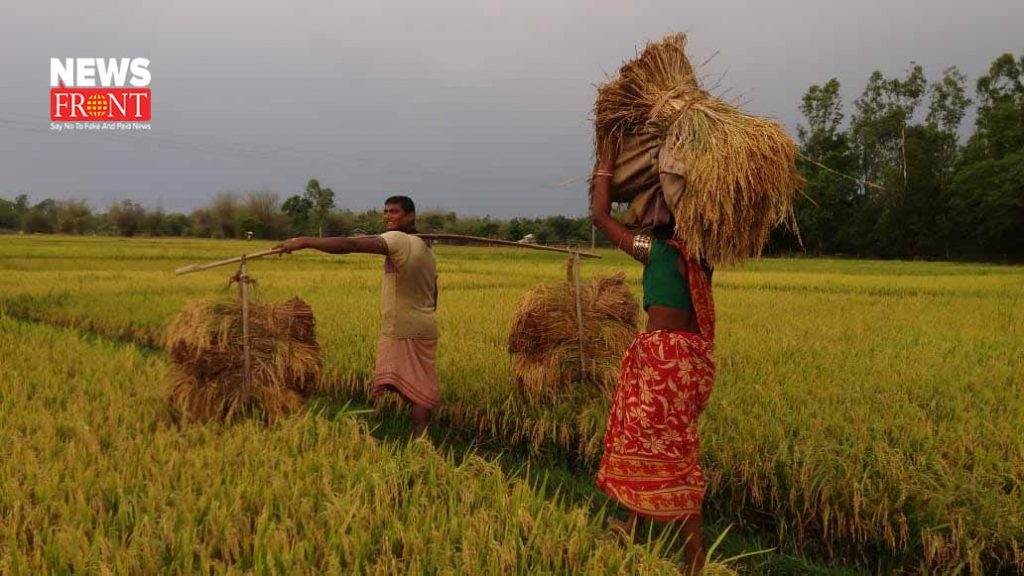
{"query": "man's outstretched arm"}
{"type": "Point", "coordinates": [337, 245]}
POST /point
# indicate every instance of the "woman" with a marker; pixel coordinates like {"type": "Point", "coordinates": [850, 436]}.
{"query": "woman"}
{"type": "Point", "coordinates": [651, 449]}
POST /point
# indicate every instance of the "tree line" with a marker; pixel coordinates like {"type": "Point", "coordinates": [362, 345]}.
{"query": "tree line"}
{"type": "Point", "coordinates": [895, 181]}
{"type": "Point", "coordinates": [263, 214]}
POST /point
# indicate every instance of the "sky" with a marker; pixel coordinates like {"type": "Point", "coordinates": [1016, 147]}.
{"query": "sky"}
{"type": "Point", "coordinates": [479, 107]}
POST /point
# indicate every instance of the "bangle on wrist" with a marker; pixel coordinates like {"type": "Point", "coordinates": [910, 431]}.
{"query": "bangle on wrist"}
{"type": "Point", "coordinates": [641, 249]}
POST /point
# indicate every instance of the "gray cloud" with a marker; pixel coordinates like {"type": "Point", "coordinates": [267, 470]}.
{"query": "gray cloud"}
{"type": "Point", "coordinates": [478, 107]}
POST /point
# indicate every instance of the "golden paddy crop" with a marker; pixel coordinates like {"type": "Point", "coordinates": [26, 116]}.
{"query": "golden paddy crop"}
{"type": "Point", "coordinates": [868, 411]}
{"type": "Point", "coordinates": [95, 479]}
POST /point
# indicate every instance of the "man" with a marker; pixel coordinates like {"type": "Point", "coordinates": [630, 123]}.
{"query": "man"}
{"type": "Point", "coordinates": [408, 338]}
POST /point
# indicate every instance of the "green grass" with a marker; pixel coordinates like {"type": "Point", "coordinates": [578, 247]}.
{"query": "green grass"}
{"type": "Point", "coordinates": [864, 411]}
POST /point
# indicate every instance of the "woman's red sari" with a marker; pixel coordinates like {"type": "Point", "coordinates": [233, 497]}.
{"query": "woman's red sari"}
{"type": "Point", "coordinates": [651, 462]}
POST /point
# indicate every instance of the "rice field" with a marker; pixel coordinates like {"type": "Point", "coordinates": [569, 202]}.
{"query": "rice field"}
{"type": "Point", "coordinates": [864, 412]}
{"type": "Point", "coordinates": [96, 479]}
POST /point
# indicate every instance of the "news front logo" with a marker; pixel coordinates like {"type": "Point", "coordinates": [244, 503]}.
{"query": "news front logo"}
{"type": "Point", "coordinates": [100, 94]}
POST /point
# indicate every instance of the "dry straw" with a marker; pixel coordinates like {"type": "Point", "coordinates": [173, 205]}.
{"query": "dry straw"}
{"type": "Point", "coordinates": [206, 348]}
{"type": "Point", "coordinates": [546, 343]}
{"type": "Point", "coordinates": [739, 171]}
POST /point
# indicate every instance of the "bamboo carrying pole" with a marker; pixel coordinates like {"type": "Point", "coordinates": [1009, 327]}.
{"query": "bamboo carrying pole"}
{"type": "Point", "coordinates": [510, 244]}
{"type": "Point", "coordinates": [197, 267]}
{"type": "Point", "coordinates": [476, 239]}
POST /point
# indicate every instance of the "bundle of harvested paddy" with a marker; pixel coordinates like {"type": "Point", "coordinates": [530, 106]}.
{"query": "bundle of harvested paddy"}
{"type": "Point", "coordinates": [728, 177]}
{"type": "Point", "coordinates": [206, 346]}
{"type": "Point", "coordinates": [545, 340]}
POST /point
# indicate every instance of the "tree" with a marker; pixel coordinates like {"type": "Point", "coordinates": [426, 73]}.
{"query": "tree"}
{"type": "Point", "coordinates": [201, 223]}
{"type": "Point", "coordinates": [985, 200]}
{"type": "Point", "coordinates": [559, 229]}
{"type": "Point", "coordinates": [12, 213]}
{"type": "Point", "coordinates": [266, 220]}
{"type": "Point", "coordinates": [919, 223]}
{"type": "Point", "coordinates": [825, 208]}
{"type": "Point", "coordinates": [297, 208]}
{"type": "Point", "coordinates": [369, 222]}
{"type": "Point", "coordinates": [153, 224]}
{"type": "Point", "coordinates": [987, 208]}
{"type": "Point", "coordinates": [175, 224]}
{"type": "Point", "coordinates": [127, 217]}
{"type": "Point", "coordinates": [9, 217]}
{"type": "Point", "coordinates": [999, 129]}
{"type": "Point", "coordinates": [340, 223]}
{"type": "Point", "coordinates": [483, 227]}
{"type": "Point", "coordinates": [948, 103]}
{"type": "Point", "coordinates": [225, 213]}
{"type": "Point", "coordinates": [822, 107]}
{"type": "Point", "coordinates": [879, 127]}
{"type": "Point", "coordinates": [879, 131]}
{"type": "Point", "coordinates": [74, 217]}
{"type": "Point", "coordinates": [21, 204]}
{"type": "Point", "coordinates": [433, 221]}
{"type": "Point", "coordinates": [321, 200]}
{"type": "Point", "coordinates": [41, 218]}
{"type": "Point", "coordinates": [517, 229]}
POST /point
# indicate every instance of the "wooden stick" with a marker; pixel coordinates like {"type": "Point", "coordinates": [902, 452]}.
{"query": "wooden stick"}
{"type": "Point", "coordinates": [476, 239]}
{"type": "Point", "coordinates": [197, 267]}
{"type": "Point", "coordinates": [495, 242]}
{"type": "Point", "coordinates": [579, 310]}
{"type": "Point", "coordinates": [243, 293]}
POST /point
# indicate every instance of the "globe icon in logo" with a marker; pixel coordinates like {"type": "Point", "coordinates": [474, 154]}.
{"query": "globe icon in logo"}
{"type": "Point", "coordinates": [96, 105]}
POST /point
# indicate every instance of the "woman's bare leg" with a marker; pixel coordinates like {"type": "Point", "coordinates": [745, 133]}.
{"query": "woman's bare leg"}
{"type": "Point", "coordinates": [693, 546]}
